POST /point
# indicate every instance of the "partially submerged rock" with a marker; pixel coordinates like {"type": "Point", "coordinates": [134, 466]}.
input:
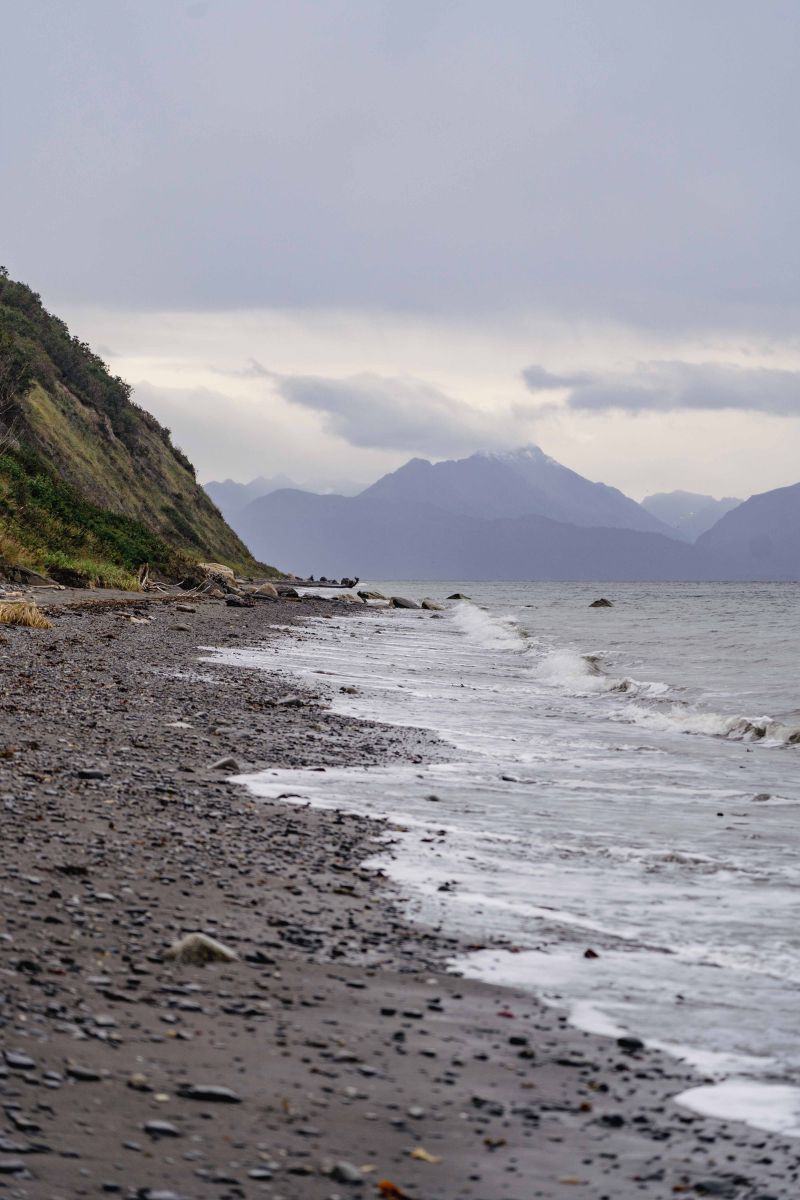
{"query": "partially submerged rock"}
{"type": "Point", "coordinates": [601, 603]}
{"type": "Point", "coordinates": [458, 596]}
{"type": "Point", "coordinates": [402, 602]}
{"type": "Point", "coordinates": [197, 949]}
{"type": "Point", "coordinates": [431, 605]}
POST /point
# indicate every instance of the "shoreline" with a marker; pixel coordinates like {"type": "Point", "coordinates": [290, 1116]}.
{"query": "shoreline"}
{"type": "Point", "coordinates": [339, 1030]}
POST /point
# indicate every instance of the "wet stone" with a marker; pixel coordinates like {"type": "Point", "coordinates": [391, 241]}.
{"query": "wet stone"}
{"type": "Point", "coordinates": [18, 1061]}
{"type": "Point", "coordinates": [159, 1129]}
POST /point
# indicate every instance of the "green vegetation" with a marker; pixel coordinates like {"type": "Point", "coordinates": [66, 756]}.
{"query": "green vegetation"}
{"type": "Point", "coordinates": [90, 483]}
{"type": "Point", "coordinates": [47, 525]}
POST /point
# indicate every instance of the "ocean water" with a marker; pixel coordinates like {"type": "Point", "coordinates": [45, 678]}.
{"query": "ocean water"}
{"type": "Point", "coordinates": [622, 780]}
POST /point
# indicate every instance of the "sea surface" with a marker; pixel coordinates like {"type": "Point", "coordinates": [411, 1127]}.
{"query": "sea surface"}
{"type": "Point", "coordinates": [621, 781]}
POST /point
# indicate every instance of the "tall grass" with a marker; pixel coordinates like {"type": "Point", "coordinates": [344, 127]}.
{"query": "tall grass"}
{"type": "Point", "coordinates": [23, 614]}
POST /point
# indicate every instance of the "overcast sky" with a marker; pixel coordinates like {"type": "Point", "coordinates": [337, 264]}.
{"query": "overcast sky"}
{"type": "Point", "coordinates": [320, 236]}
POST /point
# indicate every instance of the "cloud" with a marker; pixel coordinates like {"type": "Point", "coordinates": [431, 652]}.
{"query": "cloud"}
{"type": "Point", "coordinates": [406, 414]}
{"type": "Point", "coordinates": [252, 369]}
{"type": "Point", "coordinates": [422, 156]}
{"type": "Point", "coordinates": [537, 379]}
{"type": "Point", "coordinates": [670, 385]}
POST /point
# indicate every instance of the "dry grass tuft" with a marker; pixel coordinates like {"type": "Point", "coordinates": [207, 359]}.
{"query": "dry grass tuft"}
{"type": "Point", "coordinates": [23, 614]}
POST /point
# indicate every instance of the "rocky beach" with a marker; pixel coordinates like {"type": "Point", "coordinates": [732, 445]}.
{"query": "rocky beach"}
{"type": "Point", "coordinates": [332, 1054]}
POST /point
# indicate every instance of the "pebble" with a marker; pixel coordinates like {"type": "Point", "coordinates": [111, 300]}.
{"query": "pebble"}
{"type": "Point", "coordinates": [12, 1166]}
{"type": "Point", "coordinates": [159, 1129]}
{"type": "Point", "coordinates": [18, 1061]}
{"type": "Point", "coordinates": [212, 1093]}
{"type": "Point", "coordinates": [345, 1172]}
{"type": "Point", "coordinates": [225, 764]}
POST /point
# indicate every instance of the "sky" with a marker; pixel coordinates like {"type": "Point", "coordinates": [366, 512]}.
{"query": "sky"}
{"type": "Point", "coordinates": [322, 236]}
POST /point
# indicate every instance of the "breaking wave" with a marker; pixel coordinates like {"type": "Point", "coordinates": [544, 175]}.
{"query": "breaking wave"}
{"type": "Point", "coordinates": [684, 719]}
{"type": "Point", "coordinates": [490, 632]}
{"type": "Point", "coordinates": [649, 702]}
{"type": "Point", "coordinates": [584, 674]}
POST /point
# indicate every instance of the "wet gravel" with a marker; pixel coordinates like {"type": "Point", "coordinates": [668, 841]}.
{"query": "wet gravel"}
{"type": "Point", "coordinates": [335, 1056]}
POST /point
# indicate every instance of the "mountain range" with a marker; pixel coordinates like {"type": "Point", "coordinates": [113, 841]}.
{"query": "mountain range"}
{"type": "Point", "coordinates": [514, 516]}
{"type": "Point", "coordinates": [688, 514]}
{"type": "Point", "coordinates": [231, 497]}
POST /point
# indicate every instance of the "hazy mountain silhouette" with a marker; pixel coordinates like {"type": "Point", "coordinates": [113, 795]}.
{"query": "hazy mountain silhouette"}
{"type": "Point", "coordinates": [688, 514]}
{"type": "Point", "coordinates": [231, 496]}
{"type": "Point", "coordinates": [513, 516]}
{"type": "Point", "coordinates": [375, 538]}
{"type": "Point", "coordinates": [761, 537]}
{"type": "Point", "coordinates": [522, 483]}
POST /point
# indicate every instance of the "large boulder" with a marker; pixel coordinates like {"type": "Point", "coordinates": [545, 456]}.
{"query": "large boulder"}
{"type": "Point", "coordinates": [402, 602]}
{"type": "Point", "coordinates": [431, 605]}
{"type": "Point", "coordinates": [266, 589]}
{"type": "Point", "coordinates": [218, 570]}
{"type": "Point", "coordinates": [371, 595]}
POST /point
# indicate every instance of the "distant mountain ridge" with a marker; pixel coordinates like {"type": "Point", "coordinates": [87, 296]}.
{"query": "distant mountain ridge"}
{"type": "Point", "coordinates": [515, 516]}
{"type": "Point", "coordinates": [377, 538]}
{"type": "Point", "coordinates": [231, 496]}
{"type": "Point", "coordinates": [688, 514]}
{"type": "Point", "coordinates": [525, 482]}
{"type": "Point", "coordinates": [490, 516]}
{"type": "Point", "coordinates": [762, 534]}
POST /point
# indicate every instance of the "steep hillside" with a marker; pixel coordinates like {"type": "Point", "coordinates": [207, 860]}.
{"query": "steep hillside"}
{"type": "Point", "coordinates": [525, 482]}
{"type": "Point", "coordinates": [87, 476]}
{"type": "Point", "coordinates": [762, 536]}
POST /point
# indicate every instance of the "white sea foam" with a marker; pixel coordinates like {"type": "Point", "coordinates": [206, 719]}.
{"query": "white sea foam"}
{"type": "Point", "coordinates": [489, 631]}
{"type": "Point", "coordinates": [770, 1106]}
{"type": "Point", "coordinates": [575, 814]}
{"type": "Point", "coordinates": [588, 1017]}
{"type": "Point", "coordinates": [684, 719]}
{"type": "Point", "coordinates": [584, 675]}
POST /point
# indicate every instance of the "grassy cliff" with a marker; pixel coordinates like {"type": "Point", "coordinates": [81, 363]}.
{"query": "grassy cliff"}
{"type": "Point", "coordinates": [90, 483]}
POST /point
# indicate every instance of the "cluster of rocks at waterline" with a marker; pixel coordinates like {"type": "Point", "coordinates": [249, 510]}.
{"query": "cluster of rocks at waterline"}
{"type": "Point", "coordinates": [333, 1055]}
{"type": "Point", "coordinates": [247, 593]}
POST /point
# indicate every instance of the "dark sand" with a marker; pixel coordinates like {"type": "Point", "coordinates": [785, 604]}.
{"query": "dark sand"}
{"type": "Point", "coordinates": [339, 1031]}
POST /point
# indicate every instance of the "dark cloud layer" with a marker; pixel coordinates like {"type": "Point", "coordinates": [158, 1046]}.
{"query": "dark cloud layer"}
{"type": "Point", "coordinates": [537, 379]}
{"type": "Point", "coordinates": [622, 159]}
{"type": "Point", "coordinates": [667, 386]}
{"type": "Point", "coordinates": [407, 414]}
